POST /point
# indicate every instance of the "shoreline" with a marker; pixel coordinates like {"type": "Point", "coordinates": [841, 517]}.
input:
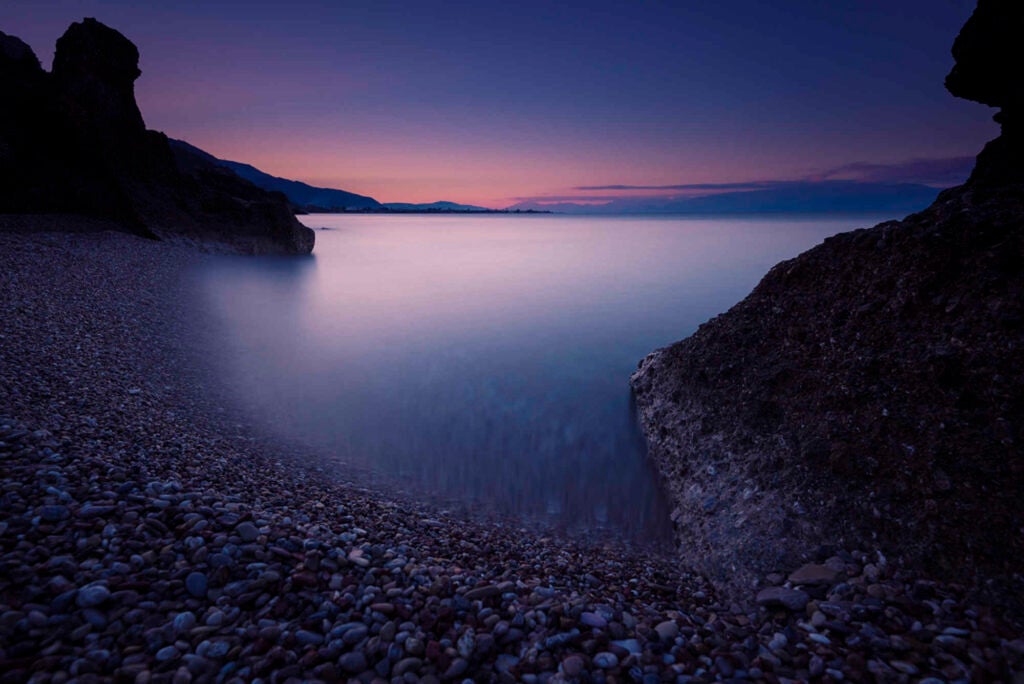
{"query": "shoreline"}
{"type": "Point", "coordinates": [147, 539]}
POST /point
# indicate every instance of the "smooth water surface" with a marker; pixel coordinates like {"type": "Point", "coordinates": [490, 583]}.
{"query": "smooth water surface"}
{"type": "Point", "coordinates": [483, 361]}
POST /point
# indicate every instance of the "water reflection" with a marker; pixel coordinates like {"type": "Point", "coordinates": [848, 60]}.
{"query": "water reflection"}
{"type": "Point", "coordinates": [484, 360]}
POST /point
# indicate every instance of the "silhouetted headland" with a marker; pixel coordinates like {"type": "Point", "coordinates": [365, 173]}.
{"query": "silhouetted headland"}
{"type": "Point", "coordinates": [76, 154]}
{"type": "Point", "coordinates": [870, 391]}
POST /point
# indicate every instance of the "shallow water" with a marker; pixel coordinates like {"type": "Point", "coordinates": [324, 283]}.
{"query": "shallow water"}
{"type": "Point", "coordinates": [483, 361]}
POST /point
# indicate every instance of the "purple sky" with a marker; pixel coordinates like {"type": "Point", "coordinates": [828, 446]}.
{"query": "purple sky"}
{"type": "Point", "coordinates": [490, 103]}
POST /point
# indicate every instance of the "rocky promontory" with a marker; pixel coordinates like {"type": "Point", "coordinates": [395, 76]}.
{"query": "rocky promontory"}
{"type": "Point", "coordinates": [75, 154]}
{"type": "Point", "coordinates": [870, 391]}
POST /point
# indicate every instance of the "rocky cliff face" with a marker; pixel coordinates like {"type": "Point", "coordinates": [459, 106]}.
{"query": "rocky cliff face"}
{"type": "Point", "coordinates": [870, 392]}
{"type": "Point", "coordinates": [74, 142]}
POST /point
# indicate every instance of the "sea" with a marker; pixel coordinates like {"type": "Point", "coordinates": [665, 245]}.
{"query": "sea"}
{"type": "Point", "coordinates": [481, 362]}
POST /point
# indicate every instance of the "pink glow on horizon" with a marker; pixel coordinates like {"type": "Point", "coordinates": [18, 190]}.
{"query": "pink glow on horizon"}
{"type": "Point", "coordinates": [483, 103]}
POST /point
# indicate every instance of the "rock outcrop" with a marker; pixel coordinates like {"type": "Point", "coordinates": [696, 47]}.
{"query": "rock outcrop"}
{"type": "Point", "coordinates": [73, 143]}
{"type": "Point", "coordinates": [869, 392]}
{"type": "Point", "coordinates": [988, 54]}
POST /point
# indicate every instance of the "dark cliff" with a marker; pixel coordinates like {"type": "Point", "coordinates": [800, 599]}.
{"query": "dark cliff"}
{"type": "Point", "coordinates": [870, 392]}
{"type": "Point", "coordinates": [73, 142]}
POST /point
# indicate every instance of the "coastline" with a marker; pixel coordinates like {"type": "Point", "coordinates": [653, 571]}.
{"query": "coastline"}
{"type": "Point", "coordinates": [145, 538]}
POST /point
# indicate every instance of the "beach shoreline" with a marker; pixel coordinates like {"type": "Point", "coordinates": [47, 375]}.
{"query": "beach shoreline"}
{"type": "Point", "coordinates": [145, 537]}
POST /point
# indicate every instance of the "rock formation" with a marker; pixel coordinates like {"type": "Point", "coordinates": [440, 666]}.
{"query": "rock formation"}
{"type": "Point", "coordinates": [870, 392]}
{"type": "Point", "coordinates": [988, 54]}
{"type": "Point", "coordinates": [73, 142]}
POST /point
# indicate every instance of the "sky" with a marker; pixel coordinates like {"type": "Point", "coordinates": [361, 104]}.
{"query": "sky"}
{"type": "Point", "coordinates": [494, 103]}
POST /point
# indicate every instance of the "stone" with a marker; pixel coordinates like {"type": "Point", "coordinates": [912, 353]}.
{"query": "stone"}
{"type": "Point", "coordinates": [92, 595]}
{"type": "Point", "coordinates": [456, 669]}
{"type": "Point", "coordinates": [572, 666]}
{"type": "Point", "coordinates": [355, 635]}
{"type": "Point", "coordinates": [307, 638]}
{"type": "Point", "coordinates": [410, 664]}
{"type": "Point", "coordinates": [816, 666]}
{"type": "Point", "coordinates": [196, 584]}
{"type": "Point", "coordinates": [166, 653]}
{"type": "Point", "coordinates": [483, 593]}
{"type": "Point", "coordinates": [353, 662]}
{"type": "Point", "coordinates": [183, 622]}
{"type": "Point", "coordinates": [667, 630]}
{"type": "Point", "coordinates": [606, 660]}
{"type": "Point", "coordinates": [781, 597]}
{"type": "Point", "coordinates": [54, 513]}
{"type": "Point", "coordinates": [247, 531]}
{"type": "Point", "coordinates": [812, 575]}
{"type": "Point", "coordinates": [593, 620]}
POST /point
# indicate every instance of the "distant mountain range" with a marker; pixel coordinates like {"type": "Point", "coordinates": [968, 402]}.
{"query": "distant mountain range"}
{"type": "Point", "coordinates": [305, 197]}
{"type": "Point", "coordinates": [433, 206]}
{"type": "Point", "coordinates": [311, 199]}
{"type": "Point", "coordinates": [780, 197]}
{"type": "Point", "coordinates": [774, 197]}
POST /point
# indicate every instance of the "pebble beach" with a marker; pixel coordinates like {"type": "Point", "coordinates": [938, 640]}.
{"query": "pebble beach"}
{"type": "Point", "coordinates": [150, 534]}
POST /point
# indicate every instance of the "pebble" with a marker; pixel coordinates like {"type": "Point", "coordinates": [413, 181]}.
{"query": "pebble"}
{"type": "Point", "coordinates": [667, 630]}
{"type": "Point", "coordinates": [781, 597]}
{"type": "Point", "coordinates": [248, 532]}
{"type": "Point", "coordinates": [814, 574]}
{"type": "Point", "coordinates": [196, 584]}
{"type": "Point", "coordinates": [92, 595]}
{"type": "Point", "coordinates": [353, 662]}
{"type": "Point", "coordinates": [166, 653]}
{"type": "Point", "coordinates": [572, 666]}
{"type": "Point", "coordinates": [483, 593]}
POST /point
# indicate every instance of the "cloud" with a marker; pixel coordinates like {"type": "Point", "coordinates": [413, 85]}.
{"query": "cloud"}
{"type": "Point", "coordinates": [943, 172]}
{"type": "Point", "coordinates": [755, 185]}
{"type": "Point", "coordinates": [934, 173]}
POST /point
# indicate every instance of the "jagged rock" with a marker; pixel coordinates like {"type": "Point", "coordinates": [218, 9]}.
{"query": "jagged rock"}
{"type": "Point", "coordinates": [989, 54]}
{"type": "Point", "coordinates": [73, 142]}
{"type": "Point", "coordinates": [869, 391]}
{"type": "Point", "coordinates": [94, 69]}
{"type": "Point", "coordinates": [16, 54]}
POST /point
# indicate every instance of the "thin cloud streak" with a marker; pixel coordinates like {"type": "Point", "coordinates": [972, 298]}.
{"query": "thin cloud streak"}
{"type": "Point", "coordinates": [941, 172]}
{"type": "Point", "coordinates": [938, 172]}
{"type": "Point", "coordinates": [754, 185]}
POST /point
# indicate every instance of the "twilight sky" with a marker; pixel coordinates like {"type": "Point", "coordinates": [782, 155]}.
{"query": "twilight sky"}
{"type": "Point", "coordinates": [494, 102]}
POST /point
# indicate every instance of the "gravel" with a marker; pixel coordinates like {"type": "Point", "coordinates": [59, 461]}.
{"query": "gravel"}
{"type": "Point", "coordinates": [153, 536]}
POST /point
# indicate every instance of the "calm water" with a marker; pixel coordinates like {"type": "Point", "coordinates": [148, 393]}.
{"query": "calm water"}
{"type": "Point", "coordinates": [484, 361]}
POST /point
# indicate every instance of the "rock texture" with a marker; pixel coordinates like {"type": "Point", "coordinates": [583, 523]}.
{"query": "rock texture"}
{"type": "Point", "coordinates": [73, 142]}
{"type": "Point", "coordinates": [869, 391]}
